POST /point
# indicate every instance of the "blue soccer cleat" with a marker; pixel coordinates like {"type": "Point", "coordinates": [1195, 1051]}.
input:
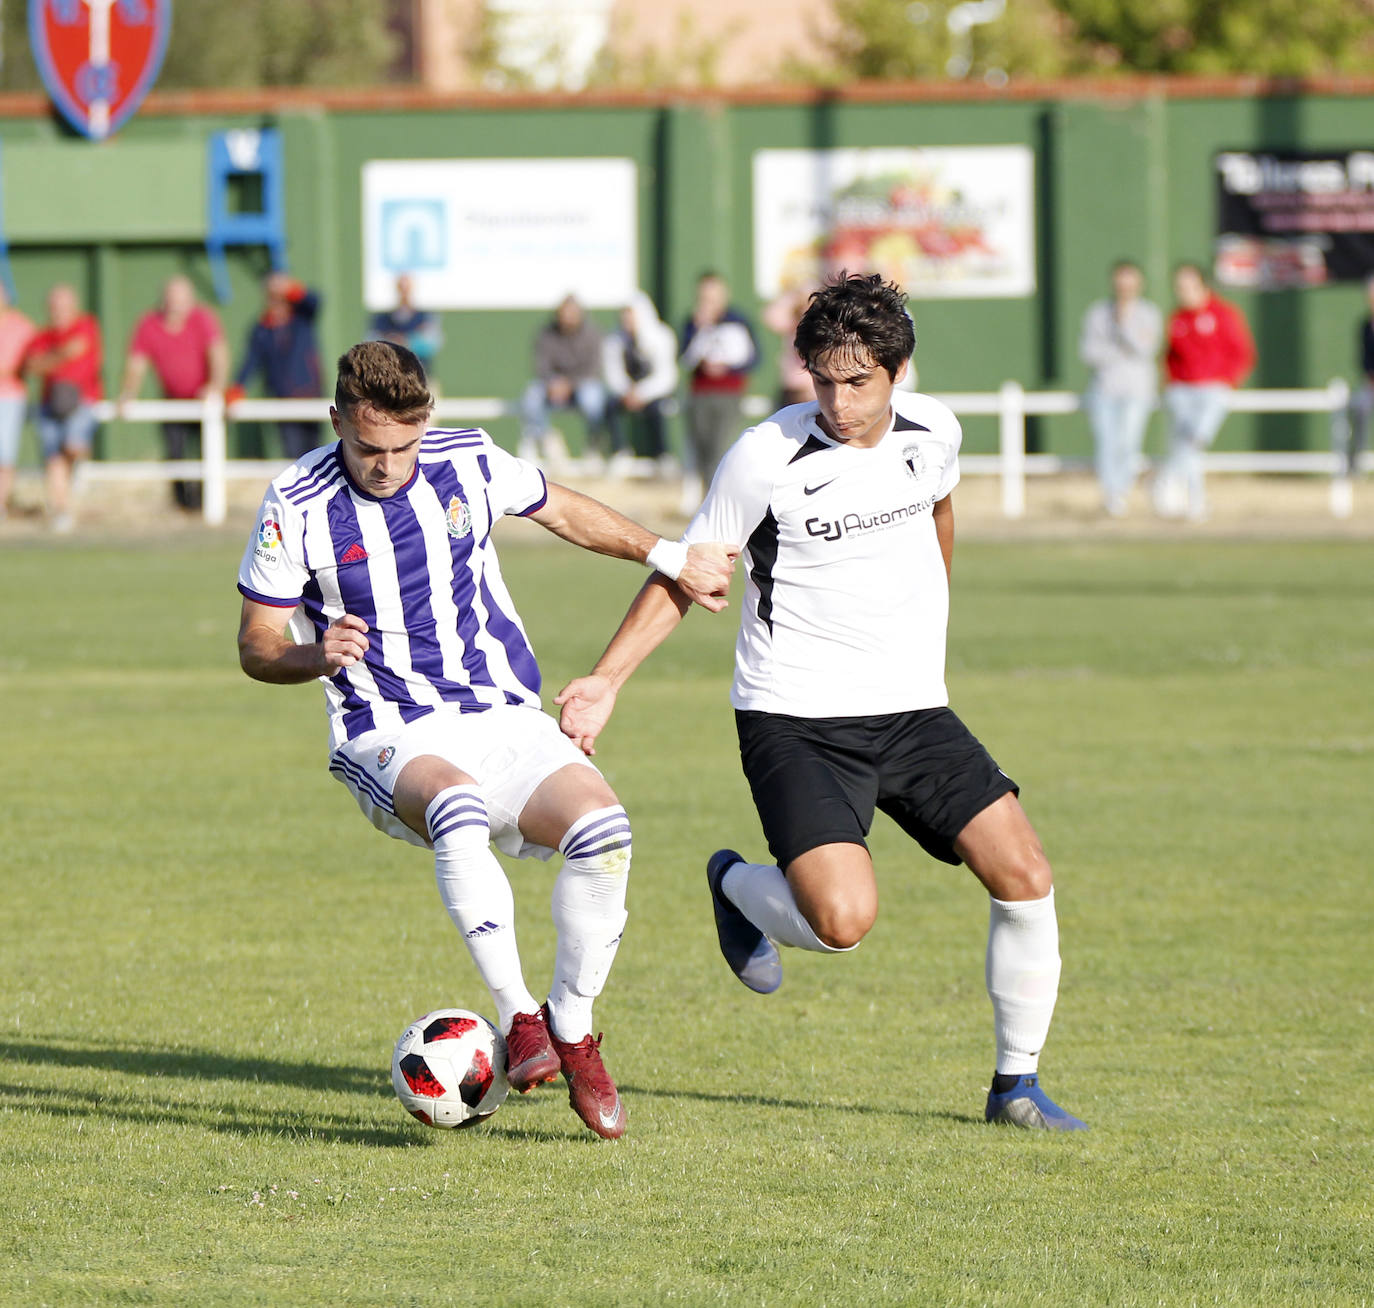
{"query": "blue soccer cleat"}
{"type": "Point", "coordinates": [751, 955]}
{"type": "Point", "coordinates": [1027, 1105]}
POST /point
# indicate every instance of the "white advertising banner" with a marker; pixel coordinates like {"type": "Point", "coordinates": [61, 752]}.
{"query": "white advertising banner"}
{"type": "Point", "coordinates": [500, 233]}
{"type": "Point", "coordinates": [947, 222]}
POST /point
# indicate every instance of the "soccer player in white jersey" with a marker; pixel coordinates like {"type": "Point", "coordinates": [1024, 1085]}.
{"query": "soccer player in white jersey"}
{"type": "Point", "coordinates": [372, 569]}
{"type": "Point", "coordinates": [843, 510]}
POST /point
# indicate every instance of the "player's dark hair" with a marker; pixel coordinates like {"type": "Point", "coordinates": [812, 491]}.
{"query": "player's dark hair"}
{"type": "Point", "coordinates": [386, 377]}
{"type": "Point", "coordinates": [858, 314]}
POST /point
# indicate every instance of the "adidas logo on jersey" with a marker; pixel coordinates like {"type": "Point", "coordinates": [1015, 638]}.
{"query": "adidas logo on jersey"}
{"type": "Point", "coordinates": [353, 554]}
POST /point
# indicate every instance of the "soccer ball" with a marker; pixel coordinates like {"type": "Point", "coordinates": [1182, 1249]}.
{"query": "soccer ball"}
{"type": "Point", "coordinates": [449, 1068]}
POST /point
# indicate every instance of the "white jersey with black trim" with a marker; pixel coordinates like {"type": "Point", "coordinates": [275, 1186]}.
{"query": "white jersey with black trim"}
{"type": "Point", "coordinates": [846, 597]}
{"type": "Point", "coordinates": [418, 567]}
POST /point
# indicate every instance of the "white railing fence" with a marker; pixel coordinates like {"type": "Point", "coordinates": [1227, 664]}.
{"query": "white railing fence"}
{"type": "Point", "coordinates": [1011, 405]}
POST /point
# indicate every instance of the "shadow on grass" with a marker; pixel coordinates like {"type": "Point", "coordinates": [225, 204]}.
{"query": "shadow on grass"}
{"type": "Point", "coordinates": [196, 1064]}
{"type": "Point", "coordinates": [160, 1104]}
{"type": "Point", "coordinates": [812, 1108]}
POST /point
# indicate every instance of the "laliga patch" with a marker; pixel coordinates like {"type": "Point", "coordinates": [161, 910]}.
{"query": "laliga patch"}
{"type": "Point", "coordinates": [384, 757]}
{"type": "Point", "coordinates": [459, 518]}
{"type": "Point", "coordinates": [268, 549]}
{"type": "Point", "coordinates": [915, 462]}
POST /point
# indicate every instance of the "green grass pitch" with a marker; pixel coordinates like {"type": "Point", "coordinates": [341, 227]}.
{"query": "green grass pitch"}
{"type": "Point", "coordinates": [207, 955]}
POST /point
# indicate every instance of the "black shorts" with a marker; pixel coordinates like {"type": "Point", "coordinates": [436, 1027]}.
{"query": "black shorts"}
{"type": "Point", "coordinates": [816, 781]}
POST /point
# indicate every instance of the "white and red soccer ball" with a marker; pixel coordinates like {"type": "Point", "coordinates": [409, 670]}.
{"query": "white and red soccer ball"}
{"type": "Point", "coordinates": [449, 1068]}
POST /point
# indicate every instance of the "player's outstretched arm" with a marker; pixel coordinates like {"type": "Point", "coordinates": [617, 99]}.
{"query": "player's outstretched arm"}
{"type": "Point", "coordinates": [266, 653]}
{"type": "Point", "coordinates": [701, 571]}
{"type": "Point", "coordinates": [587, 702]}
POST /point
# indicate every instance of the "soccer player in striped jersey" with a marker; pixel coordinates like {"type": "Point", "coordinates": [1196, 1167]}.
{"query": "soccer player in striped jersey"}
{"type": "Point", "coordinates": [372, 569]}
{"type": "Point", "coordinates": [843, 510]}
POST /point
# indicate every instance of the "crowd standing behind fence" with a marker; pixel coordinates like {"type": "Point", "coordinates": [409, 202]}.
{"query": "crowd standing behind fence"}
{"type": "Point", "coordinates": [719, 351]}
{"type": "Point", "coordinates": [183, 342]}
{"type": "Point", "coordinates": [639, 361]}
{"type": "Point", "coordinates": [16, 331]}
{"type": "Point", "coordinates": [1210, 352]}
{"type": "Point", "coordinates": [1119, 343]}
{"type": "Point", "coordinates": [283, 349]}
{"type": "Point", "coordinates": [567, 375]}
{"type": "Point", "coordinates": [66, 358]}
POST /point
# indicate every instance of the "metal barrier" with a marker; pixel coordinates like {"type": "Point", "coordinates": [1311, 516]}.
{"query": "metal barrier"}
{"type": "Point", "coordinates": [1011, 404]}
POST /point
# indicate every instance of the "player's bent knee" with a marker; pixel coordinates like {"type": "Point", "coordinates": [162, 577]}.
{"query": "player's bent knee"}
{"type": "Point", "coordinates": [599, 843]}
{"type": "Point", "coordinates": [842, 927]}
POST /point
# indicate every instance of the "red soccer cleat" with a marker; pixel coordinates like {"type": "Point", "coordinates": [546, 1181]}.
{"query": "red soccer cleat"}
{"type": "Point", "coordinates": [530, 1058]}
{"type": "Point", "coordinates": [591, 1091]}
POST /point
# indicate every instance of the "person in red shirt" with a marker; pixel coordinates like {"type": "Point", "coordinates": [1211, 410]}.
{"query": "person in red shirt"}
{"type": "Point", "coordinates": [1209, 353]}
{"type": "Point", "coordinates": [66, 357]}
{"type": "Point", "coordinates": [184, 343]}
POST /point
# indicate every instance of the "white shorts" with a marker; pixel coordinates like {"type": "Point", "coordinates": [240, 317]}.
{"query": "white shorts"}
{"type": "Point", "coordinates": [507, 750]}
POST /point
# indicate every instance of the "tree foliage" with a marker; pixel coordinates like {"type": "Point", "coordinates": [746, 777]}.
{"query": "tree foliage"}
{"type": "Point", "coordinates": [246, 43]}
{"type": "Point", "coordinates": [1056, 38]}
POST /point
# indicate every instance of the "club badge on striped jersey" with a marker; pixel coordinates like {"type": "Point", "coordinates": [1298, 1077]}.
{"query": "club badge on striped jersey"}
{"type": "Point", "coordinates": [915, 461]}
{"type": "Point", "coordinates": [459, 518]}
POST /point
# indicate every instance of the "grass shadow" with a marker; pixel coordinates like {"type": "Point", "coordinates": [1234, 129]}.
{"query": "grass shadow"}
{"type": "Point", "coordinates": [812, 1107]}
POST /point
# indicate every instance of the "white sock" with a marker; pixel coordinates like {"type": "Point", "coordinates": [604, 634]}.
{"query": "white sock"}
{"type": "Point", "coordinates": [589, 913]}
{"type": "Point", "coordinates": [478, 896]}
{"type": "Point", "coordinates": [760, 891]}
{"type": "Point", "coordinates": [1023, 979]}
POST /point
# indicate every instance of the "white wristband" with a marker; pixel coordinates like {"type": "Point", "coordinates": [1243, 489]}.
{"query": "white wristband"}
{"type": "Point", "coordinates": [668, 557]}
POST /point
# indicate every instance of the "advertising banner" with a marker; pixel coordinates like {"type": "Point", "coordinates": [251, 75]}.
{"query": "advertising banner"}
{"type": "Point", "coordinates": [500, 233]}
{"type": "Point", "coordinates": [1289, 218]}
{"type": "Point", "coordinates": [944, 222]}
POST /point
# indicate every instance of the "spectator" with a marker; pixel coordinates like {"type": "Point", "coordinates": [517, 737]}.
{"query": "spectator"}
{"type": "Point", "coordinates": [282, 347]}
{"type": "Point", "coordinates": [640, 363]}
{"type": "Point", "coordinates": [1119, 342]}
{"type": "Point", "coordinates": [567, 375]}
{"type": "Point", "coordinates": [782, 316]}
{"type": "Point", "coordinates": [719, 350]}
{"type": "Point", "coordinates": [1362, 400]}
{"type": "Point", "coordinates": [185, 345]}
{"type": "Point", "coordinates": [66, 357]}
{"type": "Point", "coordinates": [417, 329]}
{"type": "Point", "coordinates": [1209, 354]}
{"type": "Point", "coordinates": [16, 331]}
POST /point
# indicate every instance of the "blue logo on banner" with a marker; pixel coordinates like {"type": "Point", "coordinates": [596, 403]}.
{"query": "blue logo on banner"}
{"type": "Point", "coordinates": [414, 235]}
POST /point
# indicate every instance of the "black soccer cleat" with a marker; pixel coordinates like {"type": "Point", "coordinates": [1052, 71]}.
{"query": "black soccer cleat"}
{"type": "Point", "coordinates": [751, 955]}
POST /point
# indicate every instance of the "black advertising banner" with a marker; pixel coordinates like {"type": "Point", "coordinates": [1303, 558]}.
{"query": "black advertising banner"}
{"type": "Point", "coordinates": [1294, 218]}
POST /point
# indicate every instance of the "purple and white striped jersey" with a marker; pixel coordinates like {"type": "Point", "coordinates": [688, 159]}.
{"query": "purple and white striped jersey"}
{"type": "Point", "coordinates": [419, 568]}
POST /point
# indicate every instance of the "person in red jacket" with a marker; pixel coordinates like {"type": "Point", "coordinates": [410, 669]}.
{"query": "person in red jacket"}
{"type": "Point", "coordinates": [1209, 354]}
{"type": "Point", "coordinates": [65, 356]}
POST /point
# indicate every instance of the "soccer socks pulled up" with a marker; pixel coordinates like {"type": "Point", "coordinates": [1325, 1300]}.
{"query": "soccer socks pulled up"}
{"type": "Point", "coordinates": [1022, 973]}
{"type": "Point", "coordinates": [760, 891]}
{"type": "Point", "coordinates": [478, 896]}
{"type": "Point", "coordinates": [589, 914]}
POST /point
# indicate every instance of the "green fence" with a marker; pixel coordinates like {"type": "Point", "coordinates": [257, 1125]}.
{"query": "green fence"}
{"type": "Point", "coordinates": [1126, 174]}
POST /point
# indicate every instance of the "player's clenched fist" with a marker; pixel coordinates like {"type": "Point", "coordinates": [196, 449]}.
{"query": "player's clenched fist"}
{"type": "Point", "coordinates": [344, 642]}
{"type": "Point", "coordinates": [705, 577]}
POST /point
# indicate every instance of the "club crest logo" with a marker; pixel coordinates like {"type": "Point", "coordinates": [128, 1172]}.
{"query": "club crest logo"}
{"type": "Point", "coordinates": [459, 518]}
{"type": "Point", "coordinates": [915, 462]}
{"type": "Point", "coordinates": [268, 548]}
{"type": "Point", "coordinates": [99, 58]}
{"type": "Point", "coordinates": [384, 757]}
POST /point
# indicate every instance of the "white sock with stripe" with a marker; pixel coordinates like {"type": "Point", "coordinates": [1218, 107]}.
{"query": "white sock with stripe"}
{"type": "Point", "coordinates": [478, 896]}
{"type": "Point", "coordinates": [760, 891]}
{"type": "Point", "coordinates": [589, 912]}
{"type": "Point", "coordinates": [1022, 973]}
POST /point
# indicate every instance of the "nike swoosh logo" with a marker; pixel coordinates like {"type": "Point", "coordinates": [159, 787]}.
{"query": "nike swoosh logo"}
{"type": "Point", "coordinates": [811, 490]}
